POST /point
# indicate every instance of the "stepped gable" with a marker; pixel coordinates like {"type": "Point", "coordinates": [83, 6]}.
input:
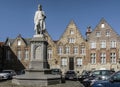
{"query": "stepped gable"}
{"type": "Point", "coordinates": [71, 31]}
{"type": "Point", "coordinates": [103, 31]}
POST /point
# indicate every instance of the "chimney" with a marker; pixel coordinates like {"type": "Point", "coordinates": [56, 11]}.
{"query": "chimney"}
{"type": "Point", "coordinates": [88, 32]}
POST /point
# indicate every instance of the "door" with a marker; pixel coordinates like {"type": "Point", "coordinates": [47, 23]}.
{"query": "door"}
{"type": "Point", "coordinates": [71, 63]}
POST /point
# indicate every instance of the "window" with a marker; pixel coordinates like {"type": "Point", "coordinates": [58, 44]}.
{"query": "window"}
{"type": "Point", "coordinates": [83, 52]}
{"type": "Point", "coordinates": [113, 58]}
{"type": "Point", "coordinates": [102, 25]}
{"type": "Point", "coordinates": [93, 58]}
{"type": "Point", "coordinates": [9, 43]}
{"type": "Point", "coordinates": [49, 53]}
{"type": "Point", "coordinates": [103, 44]}
{"type": "Point", "coordinates": [60, 50]}
{"type": "Point", "coordinates": [75, 50]}
{"type": "Point", "coordinates": [67, 50]}
{"type": "Point", "coordinates": [79, 61]}
{"type": "Point", "coordinates": [64, 61]}
{"type": "Point", "coordinates": [71, 40]}
{"type": "Point", "coordinates": [103, 58]}
{"type": "Point", "coordinates": [26, 54]}
{"type": "Point", "coordinates": [93, 45]}
{"type": "Point", "coordinates": [113, 44]}
{"type": "Point", "coordinates": [98, 34]}
{"type": "Point", "coordinates": [19, 54]}
{"type": "Point", "coordinates": [107, 33]}
{"type": "Point", "coordinates": [71, 32]}
{"type": "Point", "coordinates": [8, 54]}
{"type": "Point", "coordinates": [19, 42]}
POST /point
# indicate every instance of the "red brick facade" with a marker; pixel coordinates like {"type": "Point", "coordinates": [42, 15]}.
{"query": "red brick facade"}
{"type": "Point", "coordinates": [100, 49]}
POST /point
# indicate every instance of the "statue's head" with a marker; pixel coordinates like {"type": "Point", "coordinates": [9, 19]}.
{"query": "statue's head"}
{"type": "Point", "coordinates": [39, 7]}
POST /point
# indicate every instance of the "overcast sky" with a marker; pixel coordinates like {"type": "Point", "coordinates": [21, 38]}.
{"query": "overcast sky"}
{"type": "Point", "coordinates": [16, 16]}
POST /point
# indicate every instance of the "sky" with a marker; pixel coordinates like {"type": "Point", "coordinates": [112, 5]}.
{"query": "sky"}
{"type": "Point", "coordinates": [17, 16]}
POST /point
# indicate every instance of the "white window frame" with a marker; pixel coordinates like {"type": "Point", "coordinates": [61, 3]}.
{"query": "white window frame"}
{"type": "Point", "coordinates": [107, 33]}
{"type": "Point", "coordinates": [63, 61]}
{"type": "Point", "coordinates": [26, 54]}
{"type": "Point", "coordinates": [79, 61]}
{"type": "Point", "coordinates": [18, 42]}
{"type": "Point", "coordinates": [113, 44]}
{"type": "Point", "coordinates": [49, 53]}
{"type": "Point", "coordinates": [71, 32]}
{"type": "Point", "coordinates": [83, 51]}
{"type": "Point", "coordinates": [67, 50]}
{"type": "Point", "coordinates": [98, 33]}
{"type": "Point", "coordinates": [93, 45]}
{"type": "Point", "coordinates": [71, 40]}
{"type": "Point", "coordinates": [75, 50]}
{"type": "Point", "coordinates": [113, 58]}
{"type": "Point", "coordinates": [102, 25]}
{"type": "Point", "coordinates": [60, 50]}
{"type": "Point", "coordinates": [103, 44]}
{"type": "Point", "coordinates": [93, 58]}
{"type": "Point", "coordinates": [19, 54]}
{"type": "Point", "coordinates": [103, 58]}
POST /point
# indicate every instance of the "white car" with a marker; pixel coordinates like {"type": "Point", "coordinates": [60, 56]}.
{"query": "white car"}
{"type": "Point", "coordinates": [4, 76]}
{"type": "Point", "coordinates": [7, 74]}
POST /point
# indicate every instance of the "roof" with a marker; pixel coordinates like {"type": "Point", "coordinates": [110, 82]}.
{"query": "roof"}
{"type": "Point", "coordinates": [1, 43]}
{"type": "Point", "coordinates": [11, 41]}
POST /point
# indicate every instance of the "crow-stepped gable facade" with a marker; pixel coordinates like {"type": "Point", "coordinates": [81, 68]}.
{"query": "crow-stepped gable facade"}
{"type": "Point", "coordinates": [100, 49]}
{"type": "Point", "coordinates": [104, 48]}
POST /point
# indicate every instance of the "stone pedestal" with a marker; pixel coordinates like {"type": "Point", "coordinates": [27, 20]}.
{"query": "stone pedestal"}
{"type": "Point", "coordinates": [38, 73]}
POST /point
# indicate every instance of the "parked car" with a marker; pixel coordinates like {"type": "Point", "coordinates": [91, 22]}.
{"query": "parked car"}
{"type": "Point", "coordinates": [21, 72]}
{"type": "Point", "coordinates": [7, 74]}
{"type": "Point", "coordinates": [4, 76]}
{"type": "Point", "coordinates": [85, 74]}
{"type": "Point", "coordinates": [97, 75]}
{"type": "Point", "coordinates": [56, 71]}
{"type": "Point", "coordinates": [113, 81]}
{"type": "Point", "coordinates": [71, 75]}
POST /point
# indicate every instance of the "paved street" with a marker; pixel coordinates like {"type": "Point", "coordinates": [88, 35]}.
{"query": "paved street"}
{"type": "Point", "coordinates": [67, 84]}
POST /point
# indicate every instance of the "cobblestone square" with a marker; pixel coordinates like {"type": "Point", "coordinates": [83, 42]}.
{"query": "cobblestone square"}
{"type": "Point", "coordinates": [67, 84]}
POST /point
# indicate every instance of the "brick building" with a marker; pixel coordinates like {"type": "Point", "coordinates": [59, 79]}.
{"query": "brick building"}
{"type": "Point", "coordinates": [17, 53]}
{"type": "Point", "coordinates": [104, 48]}
{"type": "Point", "coordinates": [99, 50]}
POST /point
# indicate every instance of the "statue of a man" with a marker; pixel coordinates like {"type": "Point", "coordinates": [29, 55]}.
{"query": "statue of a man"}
{"type": "Point", "coordinates": [39, 20]}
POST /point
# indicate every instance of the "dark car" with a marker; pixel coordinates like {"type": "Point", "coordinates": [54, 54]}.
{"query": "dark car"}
{"type": "Point", "coordinates": [97, 75]}
{"type": "Point", "coordinates": [113, 81]}
{"type": "Point", "coordinates": [21, 72]}
{"type": "Point", "coordinates": [85, 74]}
{"type": "Point", "coordinates": [71, 75]}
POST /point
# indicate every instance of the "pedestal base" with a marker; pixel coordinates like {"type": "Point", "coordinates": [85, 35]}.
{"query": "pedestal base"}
{"type": "Point", "coordinates": [38, 73]}
{"type": "Point", "coordinates": [36, 78]}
